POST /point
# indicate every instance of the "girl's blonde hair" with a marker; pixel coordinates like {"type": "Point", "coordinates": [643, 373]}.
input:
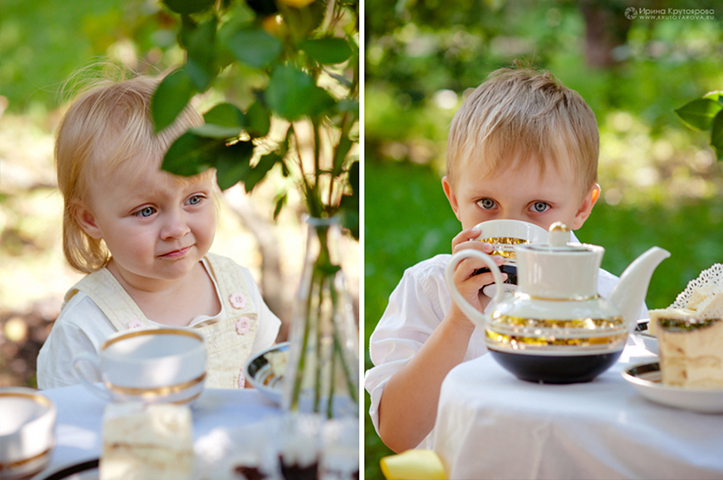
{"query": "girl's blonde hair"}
{"type": "Point", "coordinates": [528, 114]}
{"type": "Point", "coordinates": [108, 127]}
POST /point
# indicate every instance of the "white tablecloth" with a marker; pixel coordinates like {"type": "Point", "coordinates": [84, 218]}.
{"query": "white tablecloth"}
{"type": "Point", "coordinates": [492, 425]}
{"type": "Point", "coordinates": [80, 416]}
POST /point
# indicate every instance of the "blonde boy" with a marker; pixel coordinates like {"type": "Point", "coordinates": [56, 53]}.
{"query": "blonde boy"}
{"type": "Point", "coordinates": [521, 147]}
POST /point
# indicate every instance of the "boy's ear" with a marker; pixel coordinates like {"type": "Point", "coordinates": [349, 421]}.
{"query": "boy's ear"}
{"type": "Point", "coordinates": [447, 187]}
{"type": "Point", "coordinates": [586, 207]}
{"type": "Point", "coordinates": [86, 220]}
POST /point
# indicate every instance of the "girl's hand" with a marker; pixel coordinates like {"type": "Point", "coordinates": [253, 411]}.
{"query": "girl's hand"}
{"type": "Point", "coordinates": [469, 284]}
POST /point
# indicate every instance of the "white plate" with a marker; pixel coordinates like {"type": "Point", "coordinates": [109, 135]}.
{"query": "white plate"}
{"type": "Point", "coordinates": [259, 374]}
{"type": "Point", "coordinates": [87, 470]}
{"type": "Point", "coordinates": [646, 378]}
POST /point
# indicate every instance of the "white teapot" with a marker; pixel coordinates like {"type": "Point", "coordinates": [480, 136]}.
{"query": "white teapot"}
{"type": "Point", "coordinates": [556, 328]}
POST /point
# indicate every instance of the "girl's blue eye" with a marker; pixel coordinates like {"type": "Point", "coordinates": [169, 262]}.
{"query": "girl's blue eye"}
{"type": "Point", "coordinates": [486, 203]}
{"type": "Point", "coordinates": [540, 207]}
{"type": "Point", "coordinates": [145, 212]}
{"type": "Point", "coordinates": [194, 200]}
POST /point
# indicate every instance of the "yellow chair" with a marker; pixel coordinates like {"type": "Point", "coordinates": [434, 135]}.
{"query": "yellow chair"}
{"type": "Point", "coordinates": [413, 465]}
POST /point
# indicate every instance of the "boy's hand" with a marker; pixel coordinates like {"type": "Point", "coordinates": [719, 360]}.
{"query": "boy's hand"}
{"type": "Point", "coordinates": [469, 284]}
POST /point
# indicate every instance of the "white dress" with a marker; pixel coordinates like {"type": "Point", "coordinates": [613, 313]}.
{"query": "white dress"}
{"type": "Point", "coordinates": [98, 306]}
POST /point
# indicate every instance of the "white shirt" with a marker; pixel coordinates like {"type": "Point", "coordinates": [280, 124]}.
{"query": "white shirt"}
{"type": "Point", "coordinates": [416, 307]}
{"type": "Point", "coordinates": [83, 327]}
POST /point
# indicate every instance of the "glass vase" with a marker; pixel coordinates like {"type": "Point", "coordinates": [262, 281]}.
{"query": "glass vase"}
{"type": "Point", "coordinates": [322, 370]}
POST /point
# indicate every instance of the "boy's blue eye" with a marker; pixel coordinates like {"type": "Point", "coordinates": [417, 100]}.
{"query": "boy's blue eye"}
{"type": "Point", "coordinates": [540, 207]}
{"type": "Point", "coordinates": [486, 203]}
{"type": "Point", "coordinates": [145, 212]}
{"type": "Point", "coordinates": [194, 200]}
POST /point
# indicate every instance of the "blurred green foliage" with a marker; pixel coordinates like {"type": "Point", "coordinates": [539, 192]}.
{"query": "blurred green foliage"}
{"type": "Point", "coordinates": [661, 183]}
{"type": "Point", "coordinates": [43, 42]}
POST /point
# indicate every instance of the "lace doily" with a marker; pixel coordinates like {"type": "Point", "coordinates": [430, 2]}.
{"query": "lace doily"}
{"type": "Point", "coordinates": [712, 277]}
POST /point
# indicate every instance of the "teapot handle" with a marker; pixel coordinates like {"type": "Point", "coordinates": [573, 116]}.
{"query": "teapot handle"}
{"type": "Point", "coordinates": [477, 317]}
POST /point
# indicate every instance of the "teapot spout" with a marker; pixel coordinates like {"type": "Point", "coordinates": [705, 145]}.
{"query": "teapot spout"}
{"type": "Point", "coordinates": [630, 291]}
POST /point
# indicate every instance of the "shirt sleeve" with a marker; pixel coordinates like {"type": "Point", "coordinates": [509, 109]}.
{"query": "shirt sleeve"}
{"type": "Point", "coordinates": [416, 307]}
{"type": "Point", "coordinates": [69, 338]}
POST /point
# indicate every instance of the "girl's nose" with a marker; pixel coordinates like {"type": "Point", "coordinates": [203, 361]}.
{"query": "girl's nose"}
{"type": "Point", "coordinates": [175, 226]}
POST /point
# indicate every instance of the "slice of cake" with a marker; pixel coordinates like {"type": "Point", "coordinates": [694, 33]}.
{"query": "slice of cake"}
{"type": "Point", "coordinates": [147, 442]}
{"type": "Point", "coordinates": [690, 343]}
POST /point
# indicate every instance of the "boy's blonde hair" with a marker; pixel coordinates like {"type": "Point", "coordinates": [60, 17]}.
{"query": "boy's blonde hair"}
{"type": "Point", "coordinates": [107, 128]}
{"type": "Point", "coordinates": [531, 115]}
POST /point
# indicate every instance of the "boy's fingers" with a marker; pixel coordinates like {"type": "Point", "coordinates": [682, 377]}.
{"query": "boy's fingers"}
{"type": "Point", "coordinates": [476, 244]}
{"type": "Point", "coordinates": [466, 235]}
{"type": "Point", "coordinates": [467, 267]}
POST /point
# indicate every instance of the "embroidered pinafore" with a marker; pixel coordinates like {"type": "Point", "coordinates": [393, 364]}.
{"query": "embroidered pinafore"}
{"type": "Point", "coordinates": [229, 341]}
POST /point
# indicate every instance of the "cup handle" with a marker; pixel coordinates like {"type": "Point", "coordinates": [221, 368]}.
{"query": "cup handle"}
{"type": "Point", "coordinates": [80, 376]}
{"type": "Point", "coordinates": [477, 317]}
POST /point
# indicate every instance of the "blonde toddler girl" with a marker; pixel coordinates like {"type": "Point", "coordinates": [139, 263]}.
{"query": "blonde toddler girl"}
{"type": "Point", "coordinates": [143, 236]}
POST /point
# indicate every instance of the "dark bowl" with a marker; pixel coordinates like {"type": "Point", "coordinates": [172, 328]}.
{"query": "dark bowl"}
{"type": "Point", "coordinates": [555, 369]}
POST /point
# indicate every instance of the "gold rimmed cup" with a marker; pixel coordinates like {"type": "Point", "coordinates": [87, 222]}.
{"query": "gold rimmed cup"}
{"type": "Point", "coordinates": [155, 365]}
{"type": "Point", "coordinates": [27, 421]}
{"type": "Point", "coordinates": [503, 235]}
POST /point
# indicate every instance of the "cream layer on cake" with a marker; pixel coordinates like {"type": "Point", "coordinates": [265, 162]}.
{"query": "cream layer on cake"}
{"type": "Point", "coordinates": [690, 346]}
{"type": "Point", "coordinates": [147, 442]}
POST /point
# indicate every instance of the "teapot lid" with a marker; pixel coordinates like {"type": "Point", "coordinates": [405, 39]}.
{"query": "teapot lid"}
{"type": "Point", "coordinates": [557, 242]}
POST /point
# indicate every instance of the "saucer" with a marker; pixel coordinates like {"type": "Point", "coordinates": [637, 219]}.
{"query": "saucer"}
{"type": "Point", "coordinates": [260, 373]}
{"type": "Point", "coordinates": [647, 380]}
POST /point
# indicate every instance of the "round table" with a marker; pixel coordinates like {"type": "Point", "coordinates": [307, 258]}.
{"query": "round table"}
{"type": "Point", "coordinates": [80, 417]}
{"type": "Point", "coordinates": [492, 425]}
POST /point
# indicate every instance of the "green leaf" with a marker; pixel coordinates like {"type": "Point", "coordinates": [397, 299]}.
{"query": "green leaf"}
{"type": "Point", "coordinates": [187, 7]}
{"type": "Point", "coordinates": [280, 203]}
{"type": "Point", "coordinates": [346, 105]}
{"type": "Point", "coordinates": [716, 96]}
{"type": "Point", "coordinates": [209, 130]}
{"type": "Point", "coordinates": [258, 120]}
{"type": "Point", "coordinates": [189, 154]}
{"type": "Point", "coordinates": [254, 47]}
{"type": "Point", "coordinates": [342, 150]}
{"type": "Point", "coordinates": [304, 20]}
{"type": "Point", "coordinates": [349, 206]}
{"type": "Point", "coordinates": [170, 98]}
{"type": "Point", "coordinates": [201, 59]}
{"type": "Point", "coordinates": [225, 114]}
{"type": "Point", "coordinates": [233, 163]}
{"type": "Point", "coordinates": [292, 94]}
{"type": "Point", "coordinates": [699, 113]}
{"type": "Point", "coordinates": [716, 135]}
{"type": "Point", "coordinates": [258, 172]}
{"type": "Point", "coordinates": [330, 50]}
{"type": "Point", "coordinates": [188, 26]}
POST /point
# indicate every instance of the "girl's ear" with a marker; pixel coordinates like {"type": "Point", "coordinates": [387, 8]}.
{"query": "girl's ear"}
{"type": "Point", "coordinates": [447, 187]}
{"type": "Point", "coordinates": [586, 207]}
{"type": "Point", "coordinates": [86, 220]}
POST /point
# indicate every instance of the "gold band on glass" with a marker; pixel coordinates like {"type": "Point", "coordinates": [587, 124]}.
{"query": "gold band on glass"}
{"type": "Point", "coordinates": [187, 400]}
{"type": "Point", "coordinates": [522, 341]}
{"type": "Point", "coordinates": [507, 322]}
{"type": "Point", "coordinates": [152, 331]}
{"type": "Point", "coordinates": [36, 397]}
{"type": "Point", "coordinates": [25, 461]}
{"type": "Point", "coordinates": [551, 299]}
{"type": "Point", "coordinates": [155, 391]}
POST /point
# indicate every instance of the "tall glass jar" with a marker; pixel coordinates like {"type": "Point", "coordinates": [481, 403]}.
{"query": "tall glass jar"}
{"type": "Point", "coordinates": [322, 370]}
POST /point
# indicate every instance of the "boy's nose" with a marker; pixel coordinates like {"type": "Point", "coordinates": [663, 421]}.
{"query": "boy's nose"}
{"type": "Point", "coordinates": [175, 226]}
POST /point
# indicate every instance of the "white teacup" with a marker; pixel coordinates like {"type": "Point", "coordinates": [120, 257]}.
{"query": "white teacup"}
{"type": "Point", "coordinates": [27, 424]}
{"type": "Point", "coordinates": [504, 235]}
{"type": "Point", "coordinates": [153, 365]}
